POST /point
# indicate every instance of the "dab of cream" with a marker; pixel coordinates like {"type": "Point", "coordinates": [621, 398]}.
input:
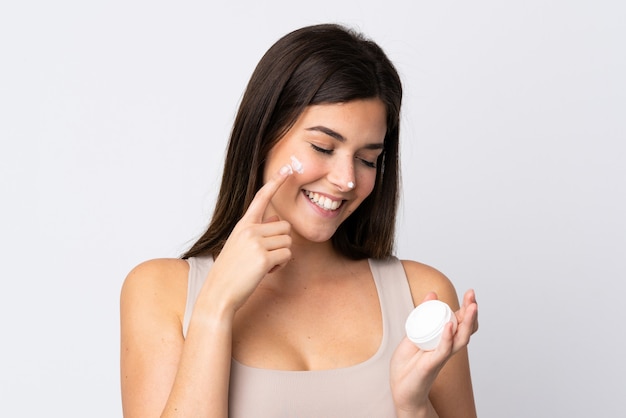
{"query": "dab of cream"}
{"type": "Point", "coordinates": [297, 165]}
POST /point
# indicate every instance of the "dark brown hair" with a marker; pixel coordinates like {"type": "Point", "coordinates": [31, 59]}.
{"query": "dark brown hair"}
{"type": "Point", "coordinates": [312, 65]}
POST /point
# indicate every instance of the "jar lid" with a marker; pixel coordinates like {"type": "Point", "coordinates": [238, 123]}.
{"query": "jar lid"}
{"type": "Point", "coordinates": [427, 320]}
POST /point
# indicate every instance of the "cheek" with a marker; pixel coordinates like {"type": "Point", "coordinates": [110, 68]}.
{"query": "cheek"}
{"type": "Point", "coordinates": [366, 182]}
{"type": "Point", "coordinates": [311, 166]}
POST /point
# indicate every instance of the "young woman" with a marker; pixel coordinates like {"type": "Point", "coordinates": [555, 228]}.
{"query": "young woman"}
{"type": "Point", "coordinates": [292, 304]}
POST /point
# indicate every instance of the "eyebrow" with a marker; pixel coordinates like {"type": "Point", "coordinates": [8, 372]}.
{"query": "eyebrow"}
{"type": "Point", "coordinates": [336, 135]}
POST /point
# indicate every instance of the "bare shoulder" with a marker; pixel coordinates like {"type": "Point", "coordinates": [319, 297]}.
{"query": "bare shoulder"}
{"type": "Point", "coordinates": [159, 284]}
{"type": "Point", "coordinates": [158, 269]}
{"type": "Point", "coordinates": [152, 305]}
{"type": "Point", "coordinates": [424, 279]}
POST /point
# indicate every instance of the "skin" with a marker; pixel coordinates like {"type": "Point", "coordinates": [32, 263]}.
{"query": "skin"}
{"type": "Point", "coordinates": [279, 258]}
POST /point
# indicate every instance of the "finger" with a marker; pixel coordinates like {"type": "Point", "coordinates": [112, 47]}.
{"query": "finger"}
{"type": "Point", "coordinates": [272, 228]}
{"type": "Point", "coordinates": [473, 308]}
{"type": "Point", "coordinates": [273, 218]}
{"type": "Point", "coordinates": [469, 297]}
{"type": "Point", "coordinates": [277, 241]}
{"type": "Point", "coordinates": [446, 344]}
{"type": "Point", "coordinates": [264, 194]}
{"type": "Point", "coordinates": [279, 258]}
{"type": "Point", "coordinates": [430, 296]}
{"type": "Point", "coordinates": [466, 328]}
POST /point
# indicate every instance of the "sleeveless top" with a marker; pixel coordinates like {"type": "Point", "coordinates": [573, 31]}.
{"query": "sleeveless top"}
{"type": "Point", "coordinates": [361, 390]}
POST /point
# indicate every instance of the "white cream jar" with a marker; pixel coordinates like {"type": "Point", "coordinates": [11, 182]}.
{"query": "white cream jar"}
{"type": "Point", "coordinates": [426, 323]}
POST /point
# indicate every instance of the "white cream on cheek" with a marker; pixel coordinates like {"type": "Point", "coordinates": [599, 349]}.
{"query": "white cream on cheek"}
{"type": "Point", "coordinates": [297, 165]}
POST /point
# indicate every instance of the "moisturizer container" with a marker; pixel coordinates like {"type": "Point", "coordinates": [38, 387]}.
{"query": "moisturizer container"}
{"type": "Point", "coordinates": [426, 322]}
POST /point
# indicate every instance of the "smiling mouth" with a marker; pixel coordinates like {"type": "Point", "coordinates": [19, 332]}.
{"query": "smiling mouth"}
{"type": "Point", "coordinates": [322, 201]}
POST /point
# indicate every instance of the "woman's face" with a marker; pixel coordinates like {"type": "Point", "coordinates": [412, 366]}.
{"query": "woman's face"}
{"type": "Point", "coordinates": [338, 145]}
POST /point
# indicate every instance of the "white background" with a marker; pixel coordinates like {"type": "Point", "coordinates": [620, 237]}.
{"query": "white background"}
{"type": "Point", "coordinates": [113, 122]}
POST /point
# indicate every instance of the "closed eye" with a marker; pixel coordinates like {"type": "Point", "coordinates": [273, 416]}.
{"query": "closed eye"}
{"type": "Point", "coordinates": [322, 150]}
{"type": "Point", "coordinates": [369, 164]}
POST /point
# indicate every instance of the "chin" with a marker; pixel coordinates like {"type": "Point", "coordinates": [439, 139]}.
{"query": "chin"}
{"type": "Point", "coordinates": [318, 236]}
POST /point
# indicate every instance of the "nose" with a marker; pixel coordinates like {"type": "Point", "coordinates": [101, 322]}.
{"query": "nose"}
{"type": "Point", "coordinates": [342, 175]}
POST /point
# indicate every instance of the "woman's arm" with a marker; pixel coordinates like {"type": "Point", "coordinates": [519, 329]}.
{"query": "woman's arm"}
{"type": "Point", "coordinates": [436, 383]}
{"type": "Point", "coordinates": [164, 374]}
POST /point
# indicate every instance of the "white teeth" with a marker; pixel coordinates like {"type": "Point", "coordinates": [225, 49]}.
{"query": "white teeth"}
{"type": "Point", "coordinates": [323, 202]}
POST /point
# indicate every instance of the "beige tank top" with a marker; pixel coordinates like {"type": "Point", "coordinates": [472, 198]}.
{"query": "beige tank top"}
{"type": "Point", "coordinates": [361, 390]}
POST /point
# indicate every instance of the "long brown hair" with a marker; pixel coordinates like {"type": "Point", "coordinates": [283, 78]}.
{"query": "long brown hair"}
{"type": "Point", "coordinates": [312, 65]}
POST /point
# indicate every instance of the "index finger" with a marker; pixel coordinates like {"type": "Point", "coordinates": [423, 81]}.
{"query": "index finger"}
{"type": "Point", "coordinates": [264, 195]}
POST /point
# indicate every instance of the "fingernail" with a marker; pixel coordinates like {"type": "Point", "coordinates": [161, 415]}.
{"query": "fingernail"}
{"type": "Point", "coordinates": [286, 169]}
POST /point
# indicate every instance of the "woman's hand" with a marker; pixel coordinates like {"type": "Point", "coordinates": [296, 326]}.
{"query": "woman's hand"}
{"type": "Point", "coordinates": [255, 247]}
{"type": "Point", "coordinates": [414, 371]}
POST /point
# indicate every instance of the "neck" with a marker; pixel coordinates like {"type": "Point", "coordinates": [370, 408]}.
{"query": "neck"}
{"type": "Point", "coordinates": [311, 262]}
